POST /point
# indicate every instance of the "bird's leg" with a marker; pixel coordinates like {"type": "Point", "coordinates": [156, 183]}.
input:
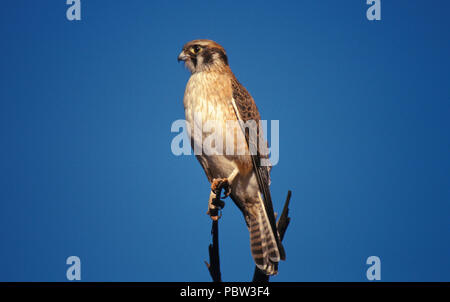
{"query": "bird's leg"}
{"type": "Point", "coordinates": [214, 205]}
{"type": "Point", "coordinates": [224, 183]}
{"type": "Point", "coordinates": [217, 185]}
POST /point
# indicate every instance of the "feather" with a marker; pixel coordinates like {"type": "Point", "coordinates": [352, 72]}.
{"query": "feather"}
{"type": "Point", "coordinates": [245, 109]}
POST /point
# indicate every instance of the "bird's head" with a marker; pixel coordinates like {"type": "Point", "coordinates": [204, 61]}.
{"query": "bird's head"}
{"type": "Point", "coordinates": [203, 55]}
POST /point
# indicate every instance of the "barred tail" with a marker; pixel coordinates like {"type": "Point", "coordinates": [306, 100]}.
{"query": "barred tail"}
{"type": "Point", "coordinates": [263, 243]}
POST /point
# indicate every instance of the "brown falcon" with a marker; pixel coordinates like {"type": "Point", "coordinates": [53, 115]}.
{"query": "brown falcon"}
{"type": "Point", "coordinates": [214, 94]}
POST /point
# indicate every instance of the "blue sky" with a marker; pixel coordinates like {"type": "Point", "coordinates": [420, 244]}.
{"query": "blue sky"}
{"type": "Point", "coordinates": [86, 109]}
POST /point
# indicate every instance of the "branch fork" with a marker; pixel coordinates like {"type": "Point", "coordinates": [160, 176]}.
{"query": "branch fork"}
{"type": "Point", "coordinates": [215, 213]}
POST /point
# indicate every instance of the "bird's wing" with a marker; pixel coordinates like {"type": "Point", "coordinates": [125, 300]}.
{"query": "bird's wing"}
{"type": "Point", "coordinates": [245, 109]}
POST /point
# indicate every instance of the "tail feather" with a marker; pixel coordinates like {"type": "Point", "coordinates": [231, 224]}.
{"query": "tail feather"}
{"type": "Point", "coordinates": [263, 243]}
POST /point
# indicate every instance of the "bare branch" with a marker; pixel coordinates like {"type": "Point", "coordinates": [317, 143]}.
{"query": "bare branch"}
{"type": "Point", "coordinates": [214, 259]}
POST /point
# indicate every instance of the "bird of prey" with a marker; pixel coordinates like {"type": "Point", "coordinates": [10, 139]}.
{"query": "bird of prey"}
{"type": "Point", "coordinates": [214, 94]}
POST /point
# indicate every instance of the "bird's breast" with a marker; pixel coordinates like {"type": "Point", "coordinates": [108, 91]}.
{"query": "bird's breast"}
{"type": "Point", "coordinates": [209, 110]}
{"type": "Point", "coordinates": [209, 94]}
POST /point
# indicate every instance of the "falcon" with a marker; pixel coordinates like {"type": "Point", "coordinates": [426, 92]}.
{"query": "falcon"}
{"type": "Point", "coordinates": [213, 94]}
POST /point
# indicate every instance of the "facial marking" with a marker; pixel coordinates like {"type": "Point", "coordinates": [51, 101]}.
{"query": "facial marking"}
{"type": "Point", "coordinates": [207, 57]}
{"type": "Point", "coordinates": [204, 55]}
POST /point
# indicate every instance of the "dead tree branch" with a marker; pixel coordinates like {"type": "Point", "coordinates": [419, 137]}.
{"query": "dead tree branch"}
{"type": "Point", "coordinates": [214, 259]}
{"type": "Point", "coordinates": [214, 265]}
{"type": "Point", "coordinates": [213, 249]}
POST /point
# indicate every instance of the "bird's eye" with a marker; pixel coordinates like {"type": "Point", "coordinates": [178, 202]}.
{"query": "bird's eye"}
{"type": "Point", "coordinates": [195, 49]}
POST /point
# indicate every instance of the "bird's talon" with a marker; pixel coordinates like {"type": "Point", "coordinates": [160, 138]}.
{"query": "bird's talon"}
{"type": "Point", "coordinates": [216, 218]}
{"type": "Point", "coordinates": [218, 203]}
{"type": "Point", "coordinates": [220, 184]}
{"type": "Point", "coordinates": [214, 213]}
{"type": "Point", "coordinates": [216, 184]}
{"type": "Point", "coordinates": [227, 191]}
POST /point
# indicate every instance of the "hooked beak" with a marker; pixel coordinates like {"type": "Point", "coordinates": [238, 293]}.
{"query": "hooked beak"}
{"type": "Point", "coordinates": [182, 56]}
